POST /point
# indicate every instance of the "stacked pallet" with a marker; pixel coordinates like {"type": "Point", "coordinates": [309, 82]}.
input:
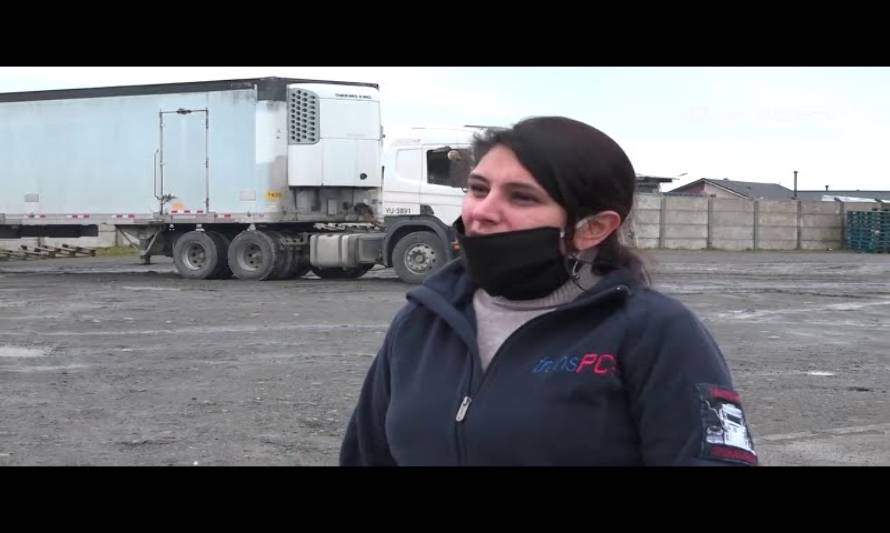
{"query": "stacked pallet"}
{"type": "Point", "coordinates": [869, 231]}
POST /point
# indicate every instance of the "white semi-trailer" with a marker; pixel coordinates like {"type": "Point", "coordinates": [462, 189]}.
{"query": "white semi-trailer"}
{"type": "Point", "coordinates": [262, 178]}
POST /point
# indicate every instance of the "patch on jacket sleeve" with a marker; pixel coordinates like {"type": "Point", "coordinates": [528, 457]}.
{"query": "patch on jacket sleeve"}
{"type": "Point", "coordinates": [726, 435]}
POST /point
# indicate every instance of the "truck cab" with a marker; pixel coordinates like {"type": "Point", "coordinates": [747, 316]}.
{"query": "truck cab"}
{"type": "Point", "coordinates": [424, 179]}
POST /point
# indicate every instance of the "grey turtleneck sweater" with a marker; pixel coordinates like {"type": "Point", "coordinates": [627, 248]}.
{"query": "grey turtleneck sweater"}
{"type": "Point", "coordinates": [497, 317]}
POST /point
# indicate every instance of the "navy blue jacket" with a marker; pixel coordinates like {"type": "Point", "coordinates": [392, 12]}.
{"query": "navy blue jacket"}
{"type": "Point", "coordinates": [623, 375]}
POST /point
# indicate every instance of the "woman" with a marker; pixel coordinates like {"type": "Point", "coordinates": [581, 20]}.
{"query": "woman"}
{"type": "Point", "coordinates": [543, 344]}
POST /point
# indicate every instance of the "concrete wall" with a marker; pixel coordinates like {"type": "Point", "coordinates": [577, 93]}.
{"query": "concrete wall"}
{"type": "Point", "coordinates": [645, 221]}
{"type": "Point", "coordinates": [776, 225]}
{"type": "Point", "coordinates": [820, 225]}
{"type": "Point", "coordinates": [693, 223]}
{"type": "Point", "coordinates": [684, 223]}
{"type": "Point", "coordinates": [732, 224]}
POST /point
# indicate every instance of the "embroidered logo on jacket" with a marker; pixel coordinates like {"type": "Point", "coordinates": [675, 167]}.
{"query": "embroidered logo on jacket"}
{"type": "Point", "coordinates": [589, 363]}
{"type": "Point", "coordinates": [726, 435]}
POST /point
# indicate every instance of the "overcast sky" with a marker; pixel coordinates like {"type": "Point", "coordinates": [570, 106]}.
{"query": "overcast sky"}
{"type": "Point", "coordinates": [751, 124]}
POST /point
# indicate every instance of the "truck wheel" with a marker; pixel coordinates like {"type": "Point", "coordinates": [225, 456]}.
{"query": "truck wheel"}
{"type": "Point", "coordinates": [290, 266]}
{"type": "Point", "coordinates": [301, 258]}
{"type": "Point", "coordinates": [417, 255]}
{"type": "Point", "coordinates": [254, 255]}
{"type": "Point", "coordinates": [341, 273]}
{"type": "Point", "coordinates": [222, 244]}
{"type": "Point", "coordinates": [197, 255]}
{"type": "Point", "coordinates": [286, 266]}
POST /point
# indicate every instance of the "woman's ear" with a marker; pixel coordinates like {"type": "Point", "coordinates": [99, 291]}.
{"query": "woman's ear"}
{"type": "Point", "coordinates": [595, 229]}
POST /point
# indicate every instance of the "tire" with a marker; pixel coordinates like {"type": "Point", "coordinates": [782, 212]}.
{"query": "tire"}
{"type": "Point", "coordinates": [417, 255]}
{"type": "Point", "coordinates": [341, 273]}
{"type": "Point", "coordinates": [198, 255]}
{"type": "Point", "coordinates": [254, 255]}
{"type": "Point", "coordinates": [286, 266]}
{"type": "Point", "coordinates": [222, 244]}
{"type": "Point", "coordinates": [291, 266]}
{"type": "Point", "coordinates": [301, 258]}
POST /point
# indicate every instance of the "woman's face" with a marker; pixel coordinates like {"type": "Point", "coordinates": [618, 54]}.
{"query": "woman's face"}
{"type": "Point", "coordinates": [503, 196]}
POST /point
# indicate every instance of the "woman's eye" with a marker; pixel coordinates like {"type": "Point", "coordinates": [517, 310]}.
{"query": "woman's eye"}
{"type": "Point", "coordinates": [524, 198]}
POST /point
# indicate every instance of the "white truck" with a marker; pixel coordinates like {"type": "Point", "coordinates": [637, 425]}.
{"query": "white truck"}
{"type": "Point", "coordinates": [264, 178]}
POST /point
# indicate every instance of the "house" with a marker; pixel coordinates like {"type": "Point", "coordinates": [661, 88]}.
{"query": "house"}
{"type": "Point", "coordinates": [726, 188]}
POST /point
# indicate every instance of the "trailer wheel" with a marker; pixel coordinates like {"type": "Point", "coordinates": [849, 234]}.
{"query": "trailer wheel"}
{"type": "Point", "coordinates": [222, 245]}
{"type": "Point", "coordinates": [197, 255]}
{"type": "Point", "coordinates": [254, 255]}
{"type": "Point", "coordinates": [341, 273]}
{"type": "Point", "coordinates": [417, 255]}
{"type": "Point", "coordinates": [290, 267]}
{"type": "Point", "coordinates": [302, 260]}
{"type": "Point", "coordinates": [286, 266]}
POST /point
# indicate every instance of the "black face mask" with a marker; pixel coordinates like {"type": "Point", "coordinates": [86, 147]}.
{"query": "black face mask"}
{"type": "Point", "coordinates": [518, 265]}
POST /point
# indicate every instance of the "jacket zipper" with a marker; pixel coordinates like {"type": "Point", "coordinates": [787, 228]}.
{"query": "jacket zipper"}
{"type": "Point", "coordinates": [469, 394]}
{"type": "Point", "coordinates": [460, 441]}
